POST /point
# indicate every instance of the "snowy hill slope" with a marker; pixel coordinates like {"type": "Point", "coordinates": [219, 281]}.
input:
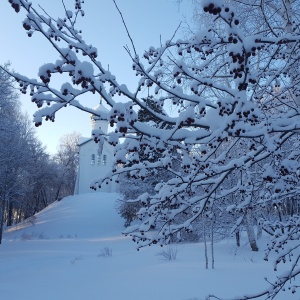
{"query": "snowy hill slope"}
{"type": "Point", "coordinates": [60, 257]}
{"type": "Point", "coordinates": [84, 216]}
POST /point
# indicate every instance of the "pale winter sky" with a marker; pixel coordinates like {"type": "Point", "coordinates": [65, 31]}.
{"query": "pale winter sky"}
{"type": "Point", "coordinates": [102, 27]}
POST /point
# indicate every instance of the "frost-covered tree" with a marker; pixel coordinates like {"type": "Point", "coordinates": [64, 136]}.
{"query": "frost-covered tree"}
{"type": "Point", "coordinates": [16, 148]}
{"type": "Point", "coordinates": [40, 181]}
{"type": "Point", "coordinates": [10, 146]}
{"type": "Point", "coordinates": [67, 160]}
{"type": "Point", "coordinates": [235, 87]}
{"type": "Point", "coordinates": [26, 174]}
{"type": "Point", "coordinates": [132, 186]}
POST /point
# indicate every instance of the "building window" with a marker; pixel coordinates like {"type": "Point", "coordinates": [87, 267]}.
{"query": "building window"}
{"type": "Point", "coordinates": [99, 152]}
{"type": "Point", "coordinates": [93, 159]}
{"type": "Point", "coordinates": [104, 159]}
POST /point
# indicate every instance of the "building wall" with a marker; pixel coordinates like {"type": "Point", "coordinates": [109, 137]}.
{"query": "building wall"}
{"type": "Point", "coordinates": [93, 166]}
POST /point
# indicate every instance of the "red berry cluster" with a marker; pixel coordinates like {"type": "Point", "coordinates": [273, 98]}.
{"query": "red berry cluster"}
{"type": "Point", "coordinates": [15, 5]}
{"type": "Point", "coordinates": [212, 9]}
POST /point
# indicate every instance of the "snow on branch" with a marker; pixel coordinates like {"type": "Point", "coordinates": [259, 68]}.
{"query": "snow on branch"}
{"type": "Point", "coordinates": [231, 149]}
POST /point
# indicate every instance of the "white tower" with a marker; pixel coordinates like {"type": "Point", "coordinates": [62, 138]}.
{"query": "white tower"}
{"type": "Point", "coordinates": [94, 162]}
{"type": "Point", "coordinates": [96, 122]}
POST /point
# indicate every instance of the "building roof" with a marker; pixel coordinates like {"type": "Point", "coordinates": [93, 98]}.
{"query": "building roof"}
{"type": "Point", "coordinates": [100, 108]}
{"type": "Point", "coordinates": [83, 140]}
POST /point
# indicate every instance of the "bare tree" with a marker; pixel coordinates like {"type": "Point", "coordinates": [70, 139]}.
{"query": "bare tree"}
{"type": "Point", "coordinates": [67, 161]}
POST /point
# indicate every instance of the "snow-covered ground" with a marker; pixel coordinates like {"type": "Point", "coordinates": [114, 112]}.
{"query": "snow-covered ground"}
{"type": "Point", "coordinates": [61, 257]}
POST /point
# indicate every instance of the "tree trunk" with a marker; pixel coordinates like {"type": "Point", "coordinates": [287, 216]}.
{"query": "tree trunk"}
{"type": "Point", "coordinates": [44, 198]}
{"type": "Point", "coordinates": [19, 216]}
{"type": "Point", "coordinates": [10, 214]}
{"type": "Point", "coordinates": [212, 246]}
{"type": "Point", "coordinates": [205, 246]}
{"type": "Point", "coordinates": [57, 192]}
{"type": "Point", "coordinates": [259, 230]}
{"type": "Point", "coordinates": [238, 238]}
{"type": "Point", "coordinates": [250, 233]}
{"type": "Point", "coordinates": [2, 219]}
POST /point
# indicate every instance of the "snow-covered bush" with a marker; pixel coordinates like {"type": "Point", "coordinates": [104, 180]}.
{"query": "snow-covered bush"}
{"type": "Point", "coordinates": [105, 252]}
{"type": "Point", "coordinates": [168, 254]}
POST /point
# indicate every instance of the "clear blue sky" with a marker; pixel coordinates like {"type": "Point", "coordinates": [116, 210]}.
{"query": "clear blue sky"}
{"type": "Point", "coordinates": [102, 27]}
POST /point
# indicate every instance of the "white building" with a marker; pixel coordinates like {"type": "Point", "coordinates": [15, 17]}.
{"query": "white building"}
{"type": "Point", "coordinates": [94, 162]}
